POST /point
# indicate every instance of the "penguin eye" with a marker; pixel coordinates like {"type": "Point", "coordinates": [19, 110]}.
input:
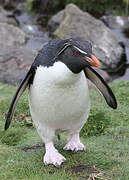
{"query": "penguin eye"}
{"type": "Point", "coordinates": [76, 53]}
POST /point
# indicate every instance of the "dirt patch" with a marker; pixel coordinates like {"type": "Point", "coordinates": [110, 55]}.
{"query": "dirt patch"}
{"type": "Point", "coordinates": [86, 168]}
{"type": "Point", "coordinates": [33, 148]}
{"type": "Point", "coordinates": [88, 172]}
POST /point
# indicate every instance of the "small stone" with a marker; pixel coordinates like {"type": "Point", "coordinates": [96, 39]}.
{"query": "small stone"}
{"type": "Point", "coordinates": [10, 161]}
{"type": "Point", "coordinates": [116, 22]}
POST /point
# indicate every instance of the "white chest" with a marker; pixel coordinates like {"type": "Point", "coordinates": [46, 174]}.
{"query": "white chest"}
{"type": "Point", "coordinates": [59, 97]}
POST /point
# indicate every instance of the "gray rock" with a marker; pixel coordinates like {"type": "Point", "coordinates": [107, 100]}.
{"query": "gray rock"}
{"type": "Point", "coordinates": [76, 23]}
{"type": "Point", "coordinates": [16, 51]}
{"type": "Point", "coordinates": [14, 63]}
{"type": "Point", "coordinates": [55, 21]}
{"type": "Point", "coordinates": [6, 17]}
{"type": "Point", "coordinates": [116, 22]}
{"type": "Point", "coordinates": [11, 35]}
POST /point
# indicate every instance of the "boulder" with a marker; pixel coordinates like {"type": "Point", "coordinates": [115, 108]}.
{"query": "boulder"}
{"type": "Point", "coordinates": [14, 59]}
{"type": "Point", "coordinates": [11, 35]}
{"type": "Point", "coordinates": [14, 63]}
{"type": "Point", "coordinates": [17, 51]}
{"type": "Point", "coordinates": [55, 21]}
{"type": "Point", "coordinates": [75, 23]}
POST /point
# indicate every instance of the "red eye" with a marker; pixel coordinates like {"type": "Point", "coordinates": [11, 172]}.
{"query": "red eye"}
{"type": "Point", "coordinates": [76, 53]}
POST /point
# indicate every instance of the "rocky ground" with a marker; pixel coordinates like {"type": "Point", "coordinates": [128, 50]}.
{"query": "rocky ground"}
{"type": "Point", "coordinates": [21, 37]}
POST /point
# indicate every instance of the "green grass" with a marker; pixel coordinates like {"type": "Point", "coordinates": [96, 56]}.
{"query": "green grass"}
{"type": "Point", "coordinates": [106, 136]}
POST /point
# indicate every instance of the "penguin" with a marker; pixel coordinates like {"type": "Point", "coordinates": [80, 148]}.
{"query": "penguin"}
{"type": "Point", "coordinates": [58, 93]}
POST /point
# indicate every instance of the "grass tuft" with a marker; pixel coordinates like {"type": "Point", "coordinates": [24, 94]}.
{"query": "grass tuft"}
{"type": "Point", "coordinates": [96, 124]}
{"type": "Point", "coordinates": [12, 136]}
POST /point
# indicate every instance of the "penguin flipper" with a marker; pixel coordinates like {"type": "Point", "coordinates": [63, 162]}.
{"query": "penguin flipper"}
{"type": "Point", "coordinates": [99, 82]}
{"type": "Point", "coordinates": [16, 97]}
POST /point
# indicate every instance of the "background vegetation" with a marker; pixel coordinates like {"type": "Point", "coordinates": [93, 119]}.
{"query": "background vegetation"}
{"type": "Point", "coordinates": [96, 7]}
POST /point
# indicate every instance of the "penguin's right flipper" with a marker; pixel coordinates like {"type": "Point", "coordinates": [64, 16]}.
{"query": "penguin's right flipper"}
{"type": "Point", "coordinates": [16, 97]}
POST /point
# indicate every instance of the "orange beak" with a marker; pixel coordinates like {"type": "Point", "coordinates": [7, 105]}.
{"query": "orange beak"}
{"type": "Point", "coordinates": [93, 61]}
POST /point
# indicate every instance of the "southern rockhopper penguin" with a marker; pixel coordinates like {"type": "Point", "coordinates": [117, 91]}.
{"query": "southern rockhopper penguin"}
{"type": "Point", "coordinates": [58, 93]}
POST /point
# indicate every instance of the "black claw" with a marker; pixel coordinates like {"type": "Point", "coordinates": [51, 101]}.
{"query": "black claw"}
{"type": "Point", "coordinates": [46, 164]}
{"type": "Point", "coordinates": [74, 150]}
{"type": "Point", "coordinates": [57, 165]}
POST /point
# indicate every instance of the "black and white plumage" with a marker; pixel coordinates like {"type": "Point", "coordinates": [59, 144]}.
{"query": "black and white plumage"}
{"type": "Point", "coordinates": [58, 93]}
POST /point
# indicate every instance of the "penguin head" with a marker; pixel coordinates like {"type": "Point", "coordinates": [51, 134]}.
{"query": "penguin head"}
{"type": "Point", "coordinates": [77, 54]}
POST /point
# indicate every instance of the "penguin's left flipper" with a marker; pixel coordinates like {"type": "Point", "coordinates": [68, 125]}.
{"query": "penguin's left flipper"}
{"type": "Point", "coordinates": [99, 82]}
{"type": "Point", "coordinates": [16, 97]}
